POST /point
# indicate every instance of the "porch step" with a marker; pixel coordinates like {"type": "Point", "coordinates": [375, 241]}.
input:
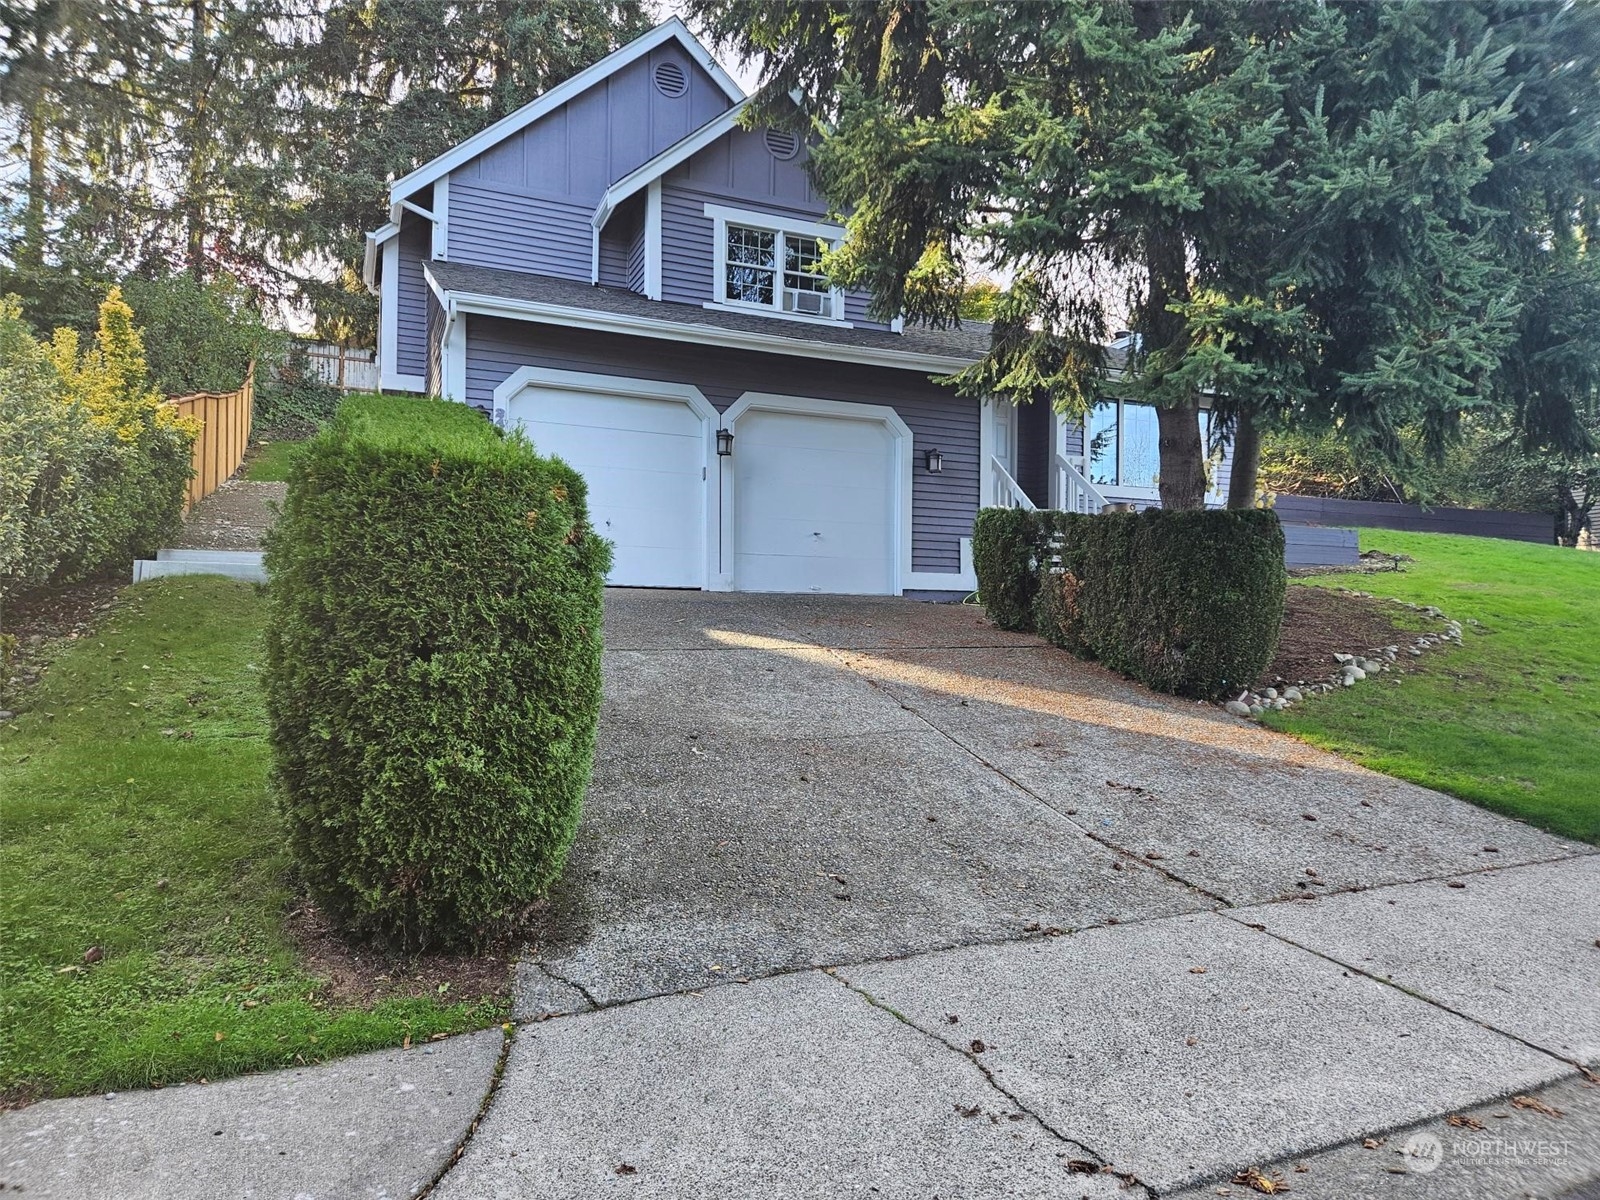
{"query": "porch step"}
{"type": "Point", "coordinates": [236, 564]}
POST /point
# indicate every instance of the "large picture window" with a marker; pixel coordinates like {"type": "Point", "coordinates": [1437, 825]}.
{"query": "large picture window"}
{"type": "Point", "coordinates": [1124, 445]}
{"type": "Point", "coordinates": [776, 267]}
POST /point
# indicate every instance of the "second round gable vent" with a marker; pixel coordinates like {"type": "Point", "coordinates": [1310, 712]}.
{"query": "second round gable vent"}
{"type": "Point", "coordinates": [671, 79]}
{"type": "Point", "coordinates": [782, 143]}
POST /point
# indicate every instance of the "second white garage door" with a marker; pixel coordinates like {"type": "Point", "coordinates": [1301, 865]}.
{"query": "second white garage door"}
{"type": "Point", "coordinates": [813, 504]}
{"type": "Point", "coordinates": [643, 459]}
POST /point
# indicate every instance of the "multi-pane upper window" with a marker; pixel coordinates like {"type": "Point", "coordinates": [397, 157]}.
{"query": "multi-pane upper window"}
{"type": "Point", "coordinates": [780, 270]}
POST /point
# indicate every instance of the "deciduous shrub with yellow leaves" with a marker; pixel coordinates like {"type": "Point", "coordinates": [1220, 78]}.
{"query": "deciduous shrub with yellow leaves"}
{"type": "Point", "coordinates": [92, 464]}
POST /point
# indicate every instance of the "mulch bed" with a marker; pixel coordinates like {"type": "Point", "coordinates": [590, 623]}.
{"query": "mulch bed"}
{"type": "Point", "coordinates": [1319, 622]}
{"type": "Point", "coordinates": [360, 975]}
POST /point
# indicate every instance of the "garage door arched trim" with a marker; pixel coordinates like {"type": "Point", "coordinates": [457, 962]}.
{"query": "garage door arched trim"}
{"type": "Point", "coordinates": [584, 382]}
{"type": "Point", "coordinates": [900, 484]}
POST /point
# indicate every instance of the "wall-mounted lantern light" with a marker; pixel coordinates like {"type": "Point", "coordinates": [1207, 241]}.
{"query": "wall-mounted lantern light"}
{"type": "Point", "coordinates": [934, 461]}
{"type": "Point", "coordinates": [724, 443]}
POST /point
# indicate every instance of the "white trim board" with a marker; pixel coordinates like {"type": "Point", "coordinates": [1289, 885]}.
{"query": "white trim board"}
{"type": "Point", "coordinates": [900, 488]}
{"type": "Point", "coordinates": [543, 313]}
{"type": "Point", "coordinates": [378, 237]}
{"type": "Point", "coordinates": [671, 29]}
{"type": "Point", "coordinates": [651, 171]}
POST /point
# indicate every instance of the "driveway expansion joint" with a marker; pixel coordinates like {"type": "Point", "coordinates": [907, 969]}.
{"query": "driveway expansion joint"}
{"type": "Point", "coordinates": [493, 1090]}
{"type": "Point", "coordinates": [1087, 1153]}
{"type": "Point", "coordinates": [1030, 793]}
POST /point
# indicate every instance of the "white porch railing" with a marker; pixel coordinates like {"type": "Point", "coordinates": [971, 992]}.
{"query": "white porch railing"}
{"type": "Point", "coordinates": [1006, 492]}
{"type": "Point", "coordinates": [1076, 493]}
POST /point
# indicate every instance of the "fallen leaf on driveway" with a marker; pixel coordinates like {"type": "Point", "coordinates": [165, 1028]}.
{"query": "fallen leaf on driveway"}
{"type": "Point", "coordinates": [1197, 970]}
{"type": "Point", "coordinates": [978, 1046]}
{"type": "Point", "coordinates": [1372, 1143]}
{"type": "Point", "coordinates": [1535, 1105]}
{"type": "Point", "coordinates": [1455, 883]}
{"type": "Point", "coordinates": [1462, 1121]}
{"type": "Point", "coordinates": [966, 1111]}
{"type": "Point", "coordinates": [627, 1169]}
{"type": "Point", "coordinates": [1082, 1166]}
{"type": "Point", "coordinates": [1267, 1185]}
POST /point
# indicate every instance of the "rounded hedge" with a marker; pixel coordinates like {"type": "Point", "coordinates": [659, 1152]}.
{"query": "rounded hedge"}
{"type": "Point", "coordinates": [433, 669]}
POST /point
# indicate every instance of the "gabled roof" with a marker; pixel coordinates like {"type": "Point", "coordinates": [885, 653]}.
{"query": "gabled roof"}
{"type": "Point", "coordinates": [672, 29]}
{"type": "Point", "coordinates": [641, 176]}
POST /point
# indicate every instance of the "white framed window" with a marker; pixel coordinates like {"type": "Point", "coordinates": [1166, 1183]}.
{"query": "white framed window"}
{"type": "Point", "coordinates": [1122, 442]}
{"type": "Point", "coordinates": [774, 266]}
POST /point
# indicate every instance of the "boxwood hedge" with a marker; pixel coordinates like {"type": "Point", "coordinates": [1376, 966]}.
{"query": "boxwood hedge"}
{"type": "Point", "coordinates": [1185, 602]}
{"type": "Point", "coordinates": [432, 669]}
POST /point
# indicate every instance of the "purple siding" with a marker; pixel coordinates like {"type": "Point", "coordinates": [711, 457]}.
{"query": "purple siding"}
{"type": "Point", "coordinates": [434, 382]}
{"type": "Point", "coordinates": [617, 241]}
{"type": "Point", "coordinates": [737, 170]}
{"type": "Point", "coordinates": [943, 505]}
{"type": "Point", "coordinates": [525, 204]}
{"type": "Point", "coordinates": [411, 328]}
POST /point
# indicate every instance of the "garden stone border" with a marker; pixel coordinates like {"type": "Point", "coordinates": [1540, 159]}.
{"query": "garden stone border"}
{"type": "Point", "coordinates": [1351, 668]}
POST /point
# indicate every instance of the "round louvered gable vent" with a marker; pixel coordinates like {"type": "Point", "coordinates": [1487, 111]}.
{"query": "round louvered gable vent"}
{"type": "Point", "coordinates": [671, 79]}
{"type": "Point", "coordinates": [782, 143]}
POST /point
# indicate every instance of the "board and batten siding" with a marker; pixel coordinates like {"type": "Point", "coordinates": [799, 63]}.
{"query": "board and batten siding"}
{"type": "Point", "coordinates": [736, 170]}
{"type": "Point", "coordinates": [411, 290]}
{"type": "Point", "coordinates": [526, 203]}
{"type": "Point", "coordinates": [943, 505]}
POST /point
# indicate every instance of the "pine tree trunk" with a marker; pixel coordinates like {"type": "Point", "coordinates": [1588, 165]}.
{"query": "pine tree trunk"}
{"type": "Point", "coordinates": [1183, 456]}
{"type": "Point", "coordinates": [1246, 462]}
{"type": "Point", "coordinates": [30, 255]}
{"type": "Point", "coordinates": [196, 173]}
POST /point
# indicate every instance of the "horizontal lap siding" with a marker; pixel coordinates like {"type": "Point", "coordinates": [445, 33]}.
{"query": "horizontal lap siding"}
{"type": "Point", "coordinates": [411, 325]}
{"type": "Point", "coordinates": [496, 228]}
{"type": "Point", "coordinates": [943, 505]}
{"type": "Point", "coordinates": [435, 374]}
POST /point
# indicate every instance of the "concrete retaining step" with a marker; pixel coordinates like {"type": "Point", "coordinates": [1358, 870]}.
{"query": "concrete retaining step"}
{"type": "Point", "coordinates": [251, 556]}
{"type": "Point", "coordinates": [236, 564]}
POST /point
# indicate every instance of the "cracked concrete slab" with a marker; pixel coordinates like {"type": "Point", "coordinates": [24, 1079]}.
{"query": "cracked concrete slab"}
{"type": "Point", "coordinates": [1245, 813]}
{"type": "Point", "coordinates": [1496, 1151]}
{"type": "Point", "coordinates": [1184, 1049]}
{"type": "Point", "coordinates": [1515, 949]}
{"type": "Point", "coordinates": [727, 856]}
{"type": "Point", "coordinates": [537, 994]}
{"type": "Point", "coordinates": [787, 1088]}
{"type": "Point", "coordinates": [375, 1127]}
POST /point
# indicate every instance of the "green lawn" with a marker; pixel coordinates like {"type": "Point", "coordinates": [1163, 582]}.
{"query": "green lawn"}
{"type": "Point", "coordinates": [1511, 719]}
{"type": "Point", "coordinates": [268, 462]}
{"type": "Point", "coordinates": [136, 817]}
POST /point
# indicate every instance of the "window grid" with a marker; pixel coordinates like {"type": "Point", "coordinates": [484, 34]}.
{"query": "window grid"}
{"type": "Point", "coordinates": [751, 270]}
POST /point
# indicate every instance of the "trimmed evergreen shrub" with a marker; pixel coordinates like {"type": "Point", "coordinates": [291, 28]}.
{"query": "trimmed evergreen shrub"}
{"type": "Point", "coordinates": [1005, 543]}
{"type": "Point", "coordinates": [1208, 588]}
{"type": "Point", "coordinates": [433, 669]}
{"type": "Point", "coordinates": [1184, 602]}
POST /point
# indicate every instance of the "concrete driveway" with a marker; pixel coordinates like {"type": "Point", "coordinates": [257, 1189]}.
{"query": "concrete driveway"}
{"type": "Point", "coordinates": [1060, 922]}
{"type": "Point", "coordinates": [873, 900]}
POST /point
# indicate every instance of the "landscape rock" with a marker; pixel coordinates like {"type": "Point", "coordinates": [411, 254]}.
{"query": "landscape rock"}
{"type": "Point", "coordinates": [1237, 707]}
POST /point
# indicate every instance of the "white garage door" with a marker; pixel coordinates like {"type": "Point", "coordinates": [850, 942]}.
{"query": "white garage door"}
{"type": "Point", "coordinates": [643, 460]}
{"type": "Point", "coordinates": [813, 507]}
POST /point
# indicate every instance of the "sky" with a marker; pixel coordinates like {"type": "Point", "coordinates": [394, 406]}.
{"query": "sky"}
{"type": "Point", "coordinates": [746, 76]}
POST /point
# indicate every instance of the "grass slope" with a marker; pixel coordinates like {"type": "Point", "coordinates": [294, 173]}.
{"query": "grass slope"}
{"type": "Point", "coordinates": [268, 462]}
{"type": "Point", "coordinates": [1511, 720]}
{"type": "Point", "coordinates": [137, 818]}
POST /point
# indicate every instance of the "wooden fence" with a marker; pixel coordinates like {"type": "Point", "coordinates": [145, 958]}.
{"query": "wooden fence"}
{"type": "Point", "coordinates": [224, 434]}
{"type": "Point", "coordinates": [1325, 510]}
{"type": "Point", "coordinates": [346, 368]}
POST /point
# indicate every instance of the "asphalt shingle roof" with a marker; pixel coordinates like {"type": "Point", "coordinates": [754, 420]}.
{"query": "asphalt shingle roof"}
{"type": "Point", "coordinates": [968, 343]}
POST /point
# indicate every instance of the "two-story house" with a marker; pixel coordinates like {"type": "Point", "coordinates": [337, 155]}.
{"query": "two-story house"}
{"type": "Point", "coordinates": [629, 275]}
